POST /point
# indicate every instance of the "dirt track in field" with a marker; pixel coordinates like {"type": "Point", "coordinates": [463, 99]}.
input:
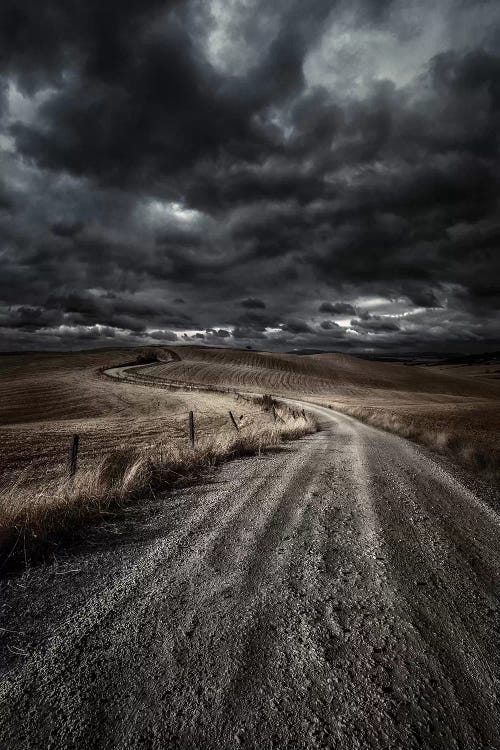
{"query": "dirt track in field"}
{"type": "Point", "coordinates": [339, 593]}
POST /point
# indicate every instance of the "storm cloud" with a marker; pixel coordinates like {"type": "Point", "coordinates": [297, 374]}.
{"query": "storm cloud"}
{"type": "Point", "coordinates": [282, 176]}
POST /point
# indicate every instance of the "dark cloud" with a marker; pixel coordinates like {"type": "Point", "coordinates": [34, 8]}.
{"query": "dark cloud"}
{"type": "Point", "coordinates": [163, 335]}
{"type": "Point", "coordinates": [375, 324]}
{"type": "Point", "coordinates": [67, 229]}
{"type": "Point", "coordinates": [220, 333]}
{"type": "Point", "coordinates": [329, 325]}
{"type": "Point", "coordinates": [253, 303]}
{"type": "Point", "coordinates": [296, 326]}
{"type": "Point", "coordinates": [163, 160]}
{"type": "Point", "coordinates": [423, 297]}
{"type": "Point", "coordinates": [338, 308]}
{"type": "Point", "coordinates": [30, 318]}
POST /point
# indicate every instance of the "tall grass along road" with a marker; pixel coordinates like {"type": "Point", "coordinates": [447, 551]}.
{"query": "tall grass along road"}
{"type": "Point", "coordinates": [337, 593]}
{"type": "Point", "coordinates": [456, 415]}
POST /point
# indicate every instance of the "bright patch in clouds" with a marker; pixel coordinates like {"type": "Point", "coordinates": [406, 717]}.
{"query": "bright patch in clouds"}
{"type": "Point", "coordinates": [239, 34]}
{"type": "Point", "coordinates": [354, 51]}
{"type": "Point", "coordinates": [159, 212]}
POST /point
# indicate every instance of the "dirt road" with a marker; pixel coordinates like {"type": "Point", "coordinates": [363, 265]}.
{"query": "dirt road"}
{"type": "Point", "coordinates": [339, 593]}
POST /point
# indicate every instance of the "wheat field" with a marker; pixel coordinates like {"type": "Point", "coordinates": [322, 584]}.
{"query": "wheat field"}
{"type": "Point", "coordinates": [135, 434]}
{"type": "Point", "coordinates": [132, 437]}
{"type": "Point", "coordinates": [453, 410]}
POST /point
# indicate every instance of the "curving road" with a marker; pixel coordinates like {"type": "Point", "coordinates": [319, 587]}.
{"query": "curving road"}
{"type": "Point", "coordinates": [339, 593]}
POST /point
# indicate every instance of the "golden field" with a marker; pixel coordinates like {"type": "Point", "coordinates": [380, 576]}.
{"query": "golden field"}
{"type": "Point", "coordinates": [133, 438]}
{"type": "Point", "coordinates": [452, 409]}
{"type": "Point", "coordinates": [134, 435]}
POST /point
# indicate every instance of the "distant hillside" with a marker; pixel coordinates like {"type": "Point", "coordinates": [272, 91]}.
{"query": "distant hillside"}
{"type": "Point", "coordinates": [325, 374]}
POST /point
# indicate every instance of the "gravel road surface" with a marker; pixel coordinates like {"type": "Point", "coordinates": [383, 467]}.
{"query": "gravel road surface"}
{"type": "Point", "coordinates": [339, 593]}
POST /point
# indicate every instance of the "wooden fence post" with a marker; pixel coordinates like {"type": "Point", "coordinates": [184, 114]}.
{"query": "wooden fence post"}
{"type": "Point", "coordinates": [277, 416]}
{"type": "Point", "coordinates": [191, 427]}
{"type": "Point", "coordinates": [73, 455]}
{"type": "Point", "coordinates": [233, 420]}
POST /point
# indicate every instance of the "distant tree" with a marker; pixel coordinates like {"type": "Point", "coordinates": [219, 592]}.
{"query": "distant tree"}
{"type": "Point", "coordinates": [145, 356]}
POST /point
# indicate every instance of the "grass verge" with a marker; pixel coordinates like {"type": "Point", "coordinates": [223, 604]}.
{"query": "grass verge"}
{"type": "Point", "coordinates": [462, 448]}
{"type": "Point", "coordinates": [32, 518]}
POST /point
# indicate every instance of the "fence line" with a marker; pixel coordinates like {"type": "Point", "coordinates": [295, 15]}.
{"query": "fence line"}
{"type": "Point", "coordinates": [75, 442]}
{"type": "Point", "coordinates": [191, 427]}
{"type": "Point", "coordinates": [73, 454]}
{"type": "Point", "coordinates": [233, 420]}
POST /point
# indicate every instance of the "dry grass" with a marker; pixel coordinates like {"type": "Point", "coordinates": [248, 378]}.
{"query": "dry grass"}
{"type": "Point", "coordinates": [322, 374]}
{"type": "Point", "coordinates": [489, 372]}
{"type": "Point", "coordinates": [464, 432]}
{"type": "Point", "coordinates": [30, 513]}
{"type": "Point", "coordinates": [448, 409]}
{"type": "Point", "coordinates": [44, 398]}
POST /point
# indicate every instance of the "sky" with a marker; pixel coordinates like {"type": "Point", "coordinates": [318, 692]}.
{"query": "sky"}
{"type": "Point", "coordinates": [282, 176]}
